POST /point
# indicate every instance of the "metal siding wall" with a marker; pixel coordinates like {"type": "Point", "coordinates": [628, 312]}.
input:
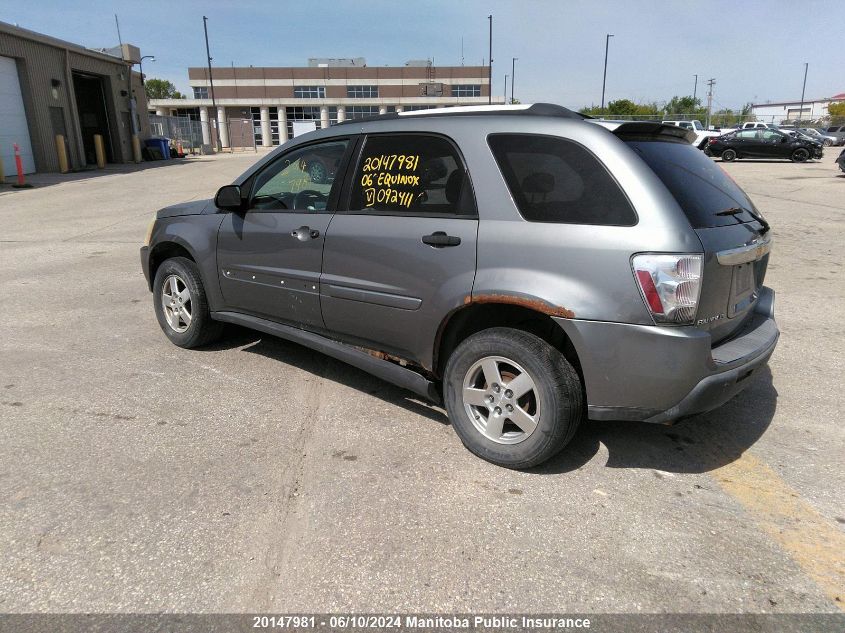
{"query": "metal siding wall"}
{"type": "Point", "coordinates": [38, 64]}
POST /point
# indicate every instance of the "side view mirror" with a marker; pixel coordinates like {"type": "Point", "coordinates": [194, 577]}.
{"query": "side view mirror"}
{"type": "Point", "coordinates": [228, 198]}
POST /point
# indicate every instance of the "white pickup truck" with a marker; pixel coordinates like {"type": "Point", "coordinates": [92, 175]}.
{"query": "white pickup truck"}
{"type": "Point", "coordinates": [701, 135]}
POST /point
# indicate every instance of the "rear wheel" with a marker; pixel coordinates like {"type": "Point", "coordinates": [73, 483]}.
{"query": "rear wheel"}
{"type": "Point", "coordinates": [181, 304]}
{"type": "Point", "coordinates": [512, 398]}
{"type": "Point", "coordinates": [827, 142]}
{"type": "Point", "coordinates": [728, 155]}
{"type": "Point", "coordinates": [800, 155]}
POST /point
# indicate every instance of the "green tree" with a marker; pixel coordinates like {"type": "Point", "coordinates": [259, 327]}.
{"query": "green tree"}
{"type": "Point", "coordinates": [685, 105]}
{"type": "Point", "coordinates": [161, 89]}
{"type": "Point", "coordinates": [836, 109]}
{"type": "Point", "coordinates": [622, 107]}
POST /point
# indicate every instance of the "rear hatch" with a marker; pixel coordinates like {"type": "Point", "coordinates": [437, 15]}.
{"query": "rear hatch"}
{"type": "Point", "coordinates": [735, 237]}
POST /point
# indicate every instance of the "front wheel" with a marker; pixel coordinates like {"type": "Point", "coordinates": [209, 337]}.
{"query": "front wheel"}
{"type": "Point", "coordinates": [181, 304]}
{"type": "Point", "coordinates": [513, 399]}
{"type": "Point", "coordinates": [800, 155]}
{"type": "Point", "coordinates": [728, 155]}
{"type": "Point", "coordinates": [827, 142]}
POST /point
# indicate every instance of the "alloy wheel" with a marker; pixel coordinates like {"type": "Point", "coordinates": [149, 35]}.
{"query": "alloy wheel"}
{"type": "Point", "coordinates": [176, 303]}
{"type": "Point", "coordinates": [501, 400]}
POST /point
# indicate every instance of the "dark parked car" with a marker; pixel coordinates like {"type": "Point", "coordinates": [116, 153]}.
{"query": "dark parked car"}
{"type": "Point", "coordinates": [841, 160]}
{"type": "Point", "coordinates": [763, 143]}
{"type": "Point", "coordinates": [524, 266]}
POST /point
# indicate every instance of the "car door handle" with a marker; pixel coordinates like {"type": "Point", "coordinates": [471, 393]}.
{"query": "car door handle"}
{"type": "Point", "coordinates": [439, 239]}
{"type": "Point", "coordinates": [304, 233]}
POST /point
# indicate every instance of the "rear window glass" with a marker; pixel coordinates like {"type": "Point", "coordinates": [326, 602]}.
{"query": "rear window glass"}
{"type": "Point", "coordinates": [555, 180]}
{"type": "Point", "coordinates": [411, 174]}
{"type": "Point", "coordinates": [700, 186]}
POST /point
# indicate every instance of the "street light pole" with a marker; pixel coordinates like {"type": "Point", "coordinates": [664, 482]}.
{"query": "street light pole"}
{"type": "Point", "coordinates": [506, 89]}
{"type": "Point", "coordinates": [604, 78]}
{"type": "Point", "coordinates": [141, 64]}
{"type": "Point", "coordinates": [490, 62]}
{"type": "Point", "coordinates": [694, 91]}
{"type": "Point", "coordinates": [513, 75]}
{"type": "Point", "coordinates": [211, 83]}
{"type": "Point", "coordinates": [803, 88]}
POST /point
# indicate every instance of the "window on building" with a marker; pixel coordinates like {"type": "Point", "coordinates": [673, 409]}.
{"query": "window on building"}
{"type": "Point", "coordinates": [256, 124]}
{"type": "Point", "coordinates": [411, 174]}
{"type": "Point", "coordinates": [411, 108]}
{"type": "Point", "coordinates": [200, 92]}
{"type": "Point", "coordinates": [466, 90]}
{"type": "Point", "coordinates": [362, 92]}
{"type": "Point", "coordinates": [304, 113]}
{"type": "Point", "coordinates": [555, 180]}
{"type": "Point", "coordinates": [360, 112]}
{"type": "Point", "coordinates": [309, 92]}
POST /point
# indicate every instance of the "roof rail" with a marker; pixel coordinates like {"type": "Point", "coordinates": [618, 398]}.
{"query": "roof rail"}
{"type": "Point", "coordinates": [535, 109]}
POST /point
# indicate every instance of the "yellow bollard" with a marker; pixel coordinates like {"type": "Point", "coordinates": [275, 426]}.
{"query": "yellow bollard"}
{"type": "Point", "coordinates": [100, 151]}
{"type": "Point", "coordinates": [62, 153]}
{"type": "Point", "coordinates": [136, 148]}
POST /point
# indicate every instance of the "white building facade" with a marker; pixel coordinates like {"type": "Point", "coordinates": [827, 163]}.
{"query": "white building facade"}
{"type": "Point", "coordinates": [811, 110]}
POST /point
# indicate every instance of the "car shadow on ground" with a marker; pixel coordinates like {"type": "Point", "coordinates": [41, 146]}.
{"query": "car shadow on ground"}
{"type": "Point", "coordinates": [697, 445]}
{"type": "Point", "coordinates": [326, 367]}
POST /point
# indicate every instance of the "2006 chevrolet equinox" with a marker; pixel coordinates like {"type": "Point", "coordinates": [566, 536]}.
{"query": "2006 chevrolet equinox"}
{"type": "Point", "coordinates": [525, 266]}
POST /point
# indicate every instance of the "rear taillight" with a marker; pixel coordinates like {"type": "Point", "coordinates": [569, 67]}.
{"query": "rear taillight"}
{"type": "Point", "coordinates": [670, 285]}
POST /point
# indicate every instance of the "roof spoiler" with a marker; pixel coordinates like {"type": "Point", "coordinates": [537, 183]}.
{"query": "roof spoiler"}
{"type": "Point", "coordinates": [651, 131]}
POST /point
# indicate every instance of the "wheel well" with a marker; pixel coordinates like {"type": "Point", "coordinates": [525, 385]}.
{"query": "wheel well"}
{"type": "Point", "coordinates": [474, 318]}
{"type": "Point", "coordinates": [165, 251]}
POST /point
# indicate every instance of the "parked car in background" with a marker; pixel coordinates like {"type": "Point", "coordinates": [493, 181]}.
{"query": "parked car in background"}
{"type": "Point", "coordinates": [762, 143]}
{"type": "Point", "coordinates": [826, 139]}
{"type": "Point", "coordinates": [701, 134]}
{"type": "Point", "coordinates": [837, 132]}
{"type": "Point", "coordinates": [587, 269]}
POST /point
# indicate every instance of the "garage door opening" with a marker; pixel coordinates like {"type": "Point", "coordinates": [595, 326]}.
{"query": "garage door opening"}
{"type": "Point", "coordinates": [93, 114]}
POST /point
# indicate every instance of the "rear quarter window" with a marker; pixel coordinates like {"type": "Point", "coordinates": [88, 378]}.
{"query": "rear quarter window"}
{"type": "Point", "coordinates": [552, 179]}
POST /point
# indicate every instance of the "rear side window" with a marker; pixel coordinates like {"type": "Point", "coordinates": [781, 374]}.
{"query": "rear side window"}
{"type": "Point", "coordinates": [700, 186]}
{"type": "Point", "coordinates": [556, 180]}
{"type": "Point", "coordinates": [413, 174]}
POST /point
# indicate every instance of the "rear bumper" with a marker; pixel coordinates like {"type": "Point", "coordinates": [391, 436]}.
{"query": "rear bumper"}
{"type": "Point", "coordinates": [662, 374]}
{"type": "Point", "coordinates": [145, 265]}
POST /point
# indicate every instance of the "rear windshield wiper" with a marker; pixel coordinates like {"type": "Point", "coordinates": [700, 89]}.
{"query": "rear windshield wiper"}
{"type": "Point", "coordinates": [756, 216]}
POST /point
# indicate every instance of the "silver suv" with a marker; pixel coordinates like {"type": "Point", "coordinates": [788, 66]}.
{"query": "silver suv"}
{"type": "Point", "coordinates": [524, 266]}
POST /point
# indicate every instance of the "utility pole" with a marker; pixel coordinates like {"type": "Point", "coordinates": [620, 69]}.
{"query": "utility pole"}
{"type": "Point", "coordinates": [506, 88]}
{"type": "Point", "coordinates": [694, 91]}
{"type": "Point", "coordinates": [490, 62]}
{"type": "Point", "coordinates": [211, 84]}
{"type": "Point", "coordinates": [804, 87]}
{"type": "Point", "coordinates": [710, 83]}
{"type": "Point", "coordinates": [513, 75]}
{"type": "Point", "coordinates": [604, 78]}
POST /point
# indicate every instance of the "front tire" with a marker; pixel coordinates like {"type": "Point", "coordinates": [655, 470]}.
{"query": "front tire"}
{"type": "Point", "coordinates": [729, 155]}
{"type": "Point", "coordinates": [181, 305]}
{"type": "Point", "coordinates": [513, 399]}
{"type": "Point", "coordinates": [800, 155]}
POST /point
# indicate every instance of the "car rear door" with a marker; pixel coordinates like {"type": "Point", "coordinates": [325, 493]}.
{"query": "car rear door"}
{"type": "Point", "coordinates": [269, 256]}
{"type": "Point", "coordinates": [401, 255]}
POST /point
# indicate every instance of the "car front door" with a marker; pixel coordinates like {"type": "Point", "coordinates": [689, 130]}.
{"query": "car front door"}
{"type": "Point", "coordinates": [402, 255]}
{"type": "Point", "coordinates": [269, 256]}
{"type": "Point", "coordinates": [775, 144]}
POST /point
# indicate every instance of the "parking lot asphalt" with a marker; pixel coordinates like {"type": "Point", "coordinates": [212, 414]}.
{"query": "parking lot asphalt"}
{"type": "Point", "coordinates": [259, 476]}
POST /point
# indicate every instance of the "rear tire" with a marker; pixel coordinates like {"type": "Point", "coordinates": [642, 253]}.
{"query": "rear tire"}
{"type": "Point", "coordinates": [827, 142]}
{"type": "Point", "coordinates": [729, 155]}
{"type": "Point", "coordinates": [513, 399]}
{"type": "Point", "coordinates": [800, 155]}
{"type": "Point", "coordinates": [181, 305]}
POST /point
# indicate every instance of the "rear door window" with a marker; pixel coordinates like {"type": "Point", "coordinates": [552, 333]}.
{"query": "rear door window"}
{"type": "Point", "coordinates": [700, 186]}
{"type": "Point", "coordinates": [552, 179]}
{"type": "Point", "coordinates": [411, 174]}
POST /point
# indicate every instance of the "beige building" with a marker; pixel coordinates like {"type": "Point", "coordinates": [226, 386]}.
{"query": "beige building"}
{"type": "Point", "coordinates": [50, 87]}
{"type": "Point", "coordinates": [274, 103]}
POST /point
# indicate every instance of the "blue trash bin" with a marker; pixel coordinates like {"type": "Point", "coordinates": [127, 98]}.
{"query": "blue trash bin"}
{"type": "Point", "coordinates": [160, 143]}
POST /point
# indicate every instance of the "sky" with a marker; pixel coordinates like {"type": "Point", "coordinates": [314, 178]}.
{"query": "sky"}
{"type": "Point", "coordinates": [755, 49]}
